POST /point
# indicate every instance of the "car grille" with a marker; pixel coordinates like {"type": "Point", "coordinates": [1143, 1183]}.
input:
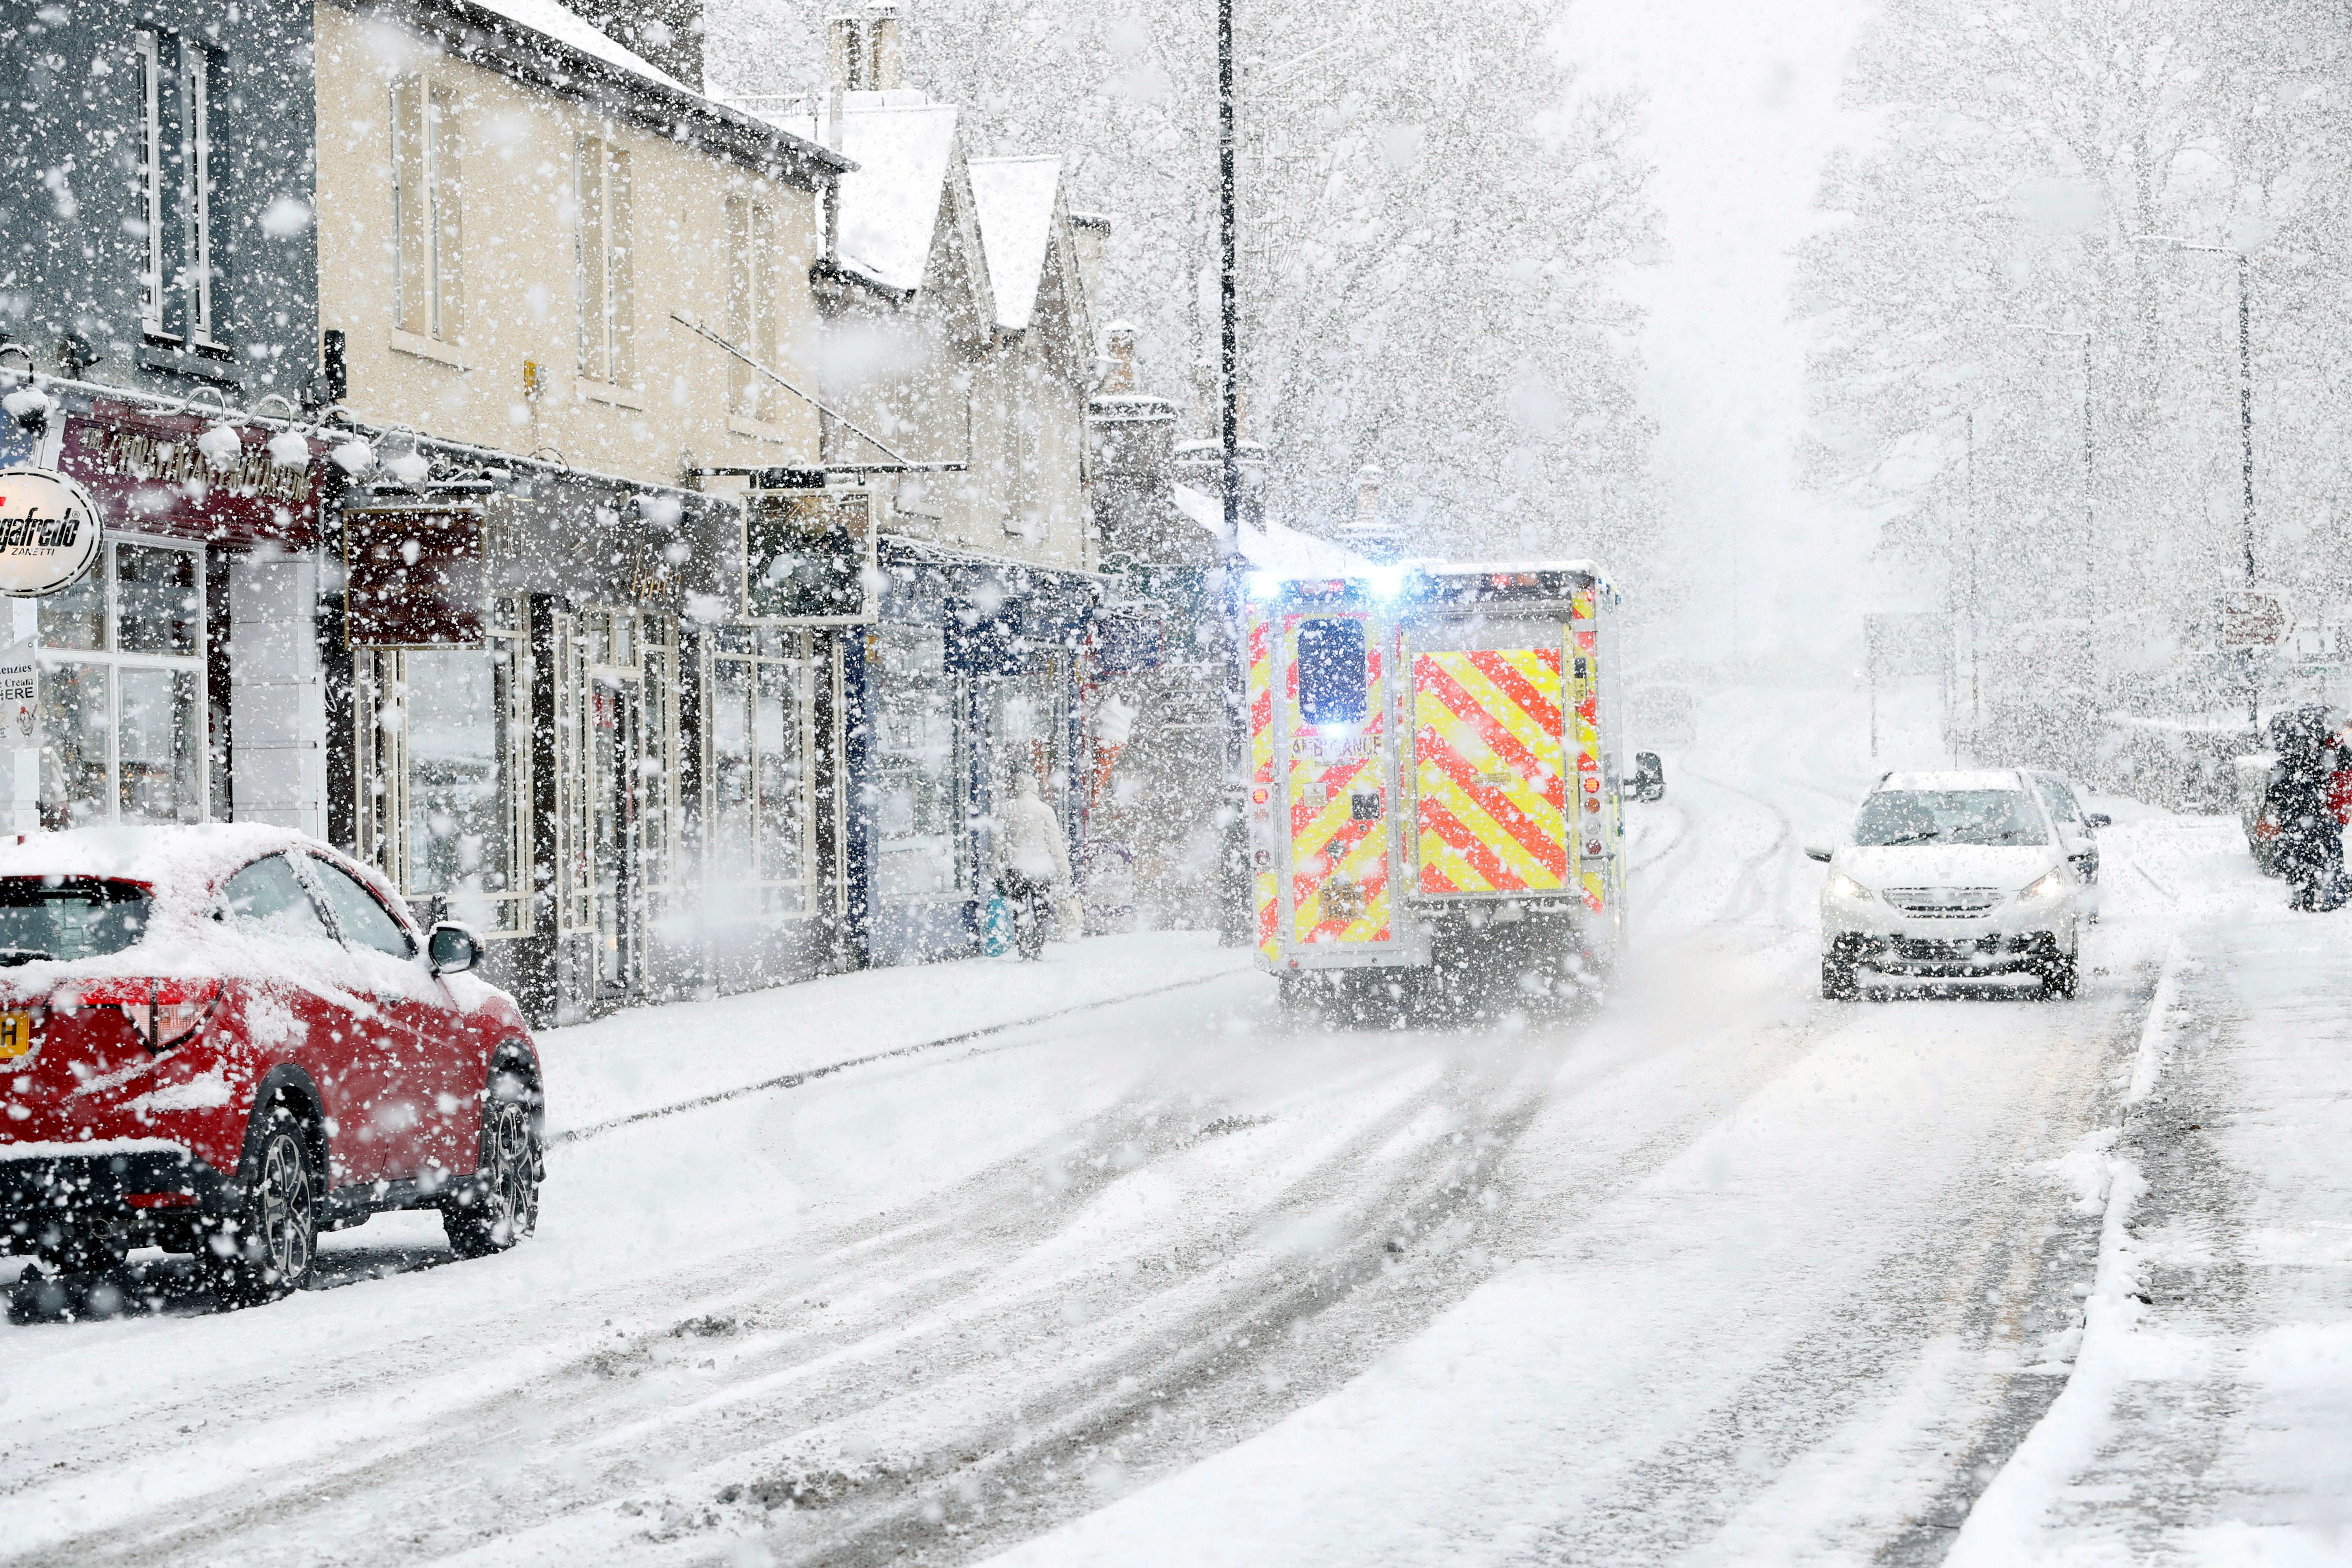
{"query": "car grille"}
{"type": "Point", "coordinates": [1943, 904]}
{"type": "Point", "coordinates": [1917, 951]}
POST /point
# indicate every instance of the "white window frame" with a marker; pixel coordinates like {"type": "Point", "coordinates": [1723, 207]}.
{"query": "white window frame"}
{"type": "Point", "coordinates": [433, 276]}
{"type": "Point", "coordinates": [605, 249]}
{"type": "Point", "coordinates": [195, 74]}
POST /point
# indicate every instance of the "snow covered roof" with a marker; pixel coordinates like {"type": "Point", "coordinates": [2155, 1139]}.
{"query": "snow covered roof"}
{"type": "Point", "coordinates": [904, 146]}
{"type": "Point", "coordinates": [1272, 547]}
{"type": "Point", "coordinates": [543, 41]}
{"type": "Point", "coordinates": [1015, 198]}
{"type": "Point", "coordinates": [555, 21]}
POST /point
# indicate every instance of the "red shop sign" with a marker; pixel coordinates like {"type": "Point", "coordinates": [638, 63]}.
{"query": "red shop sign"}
{"type": "Point", "coordinates": [146, 473]}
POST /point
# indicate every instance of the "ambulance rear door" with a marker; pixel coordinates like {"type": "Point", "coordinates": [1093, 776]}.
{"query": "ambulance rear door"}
{"type": "Point", "coordinates": [1332, 732]}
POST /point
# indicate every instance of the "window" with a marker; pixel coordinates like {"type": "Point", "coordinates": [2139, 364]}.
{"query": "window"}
{"type": "Point", "coordinates": [122, 670]}
{"type": "Point", "coordinates": [751, 305]}
{"type": "Point", "coordinates": [2059, 799]}
{"type": "Point", "coordinates": [425, 203]}
{"type": "Point", "coordinates": [443, 739]}
{"type": "Point", "coordinates": [1949, 816]}
{"type": "Point", "coordinates": [67, 917]}
{"type": "Point", "coordinates": [607, 283]}
{"type": "Point", "coordinates": [761, 832]}
{"type": "Point", "coordinates": [918, 767]}
{"type": "Point", "coordinates": [175, 187]}
{"type": "Point", "coordinates": [359, 916]}
{"type": "Point", "coordinates": [1330, 672]}
{"type": "Point", "coordinates": [269, 900]}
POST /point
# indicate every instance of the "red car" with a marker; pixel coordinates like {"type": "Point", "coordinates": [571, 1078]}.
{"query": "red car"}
{"type": "Point", "coordinates": [223, 1040]}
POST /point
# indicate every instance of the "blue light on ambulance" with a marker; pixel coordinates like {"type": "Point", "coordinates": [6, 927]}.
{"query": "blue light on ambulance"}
{"type": "Point", "coordinates": [1386, 581]}
{"type": "Point", "coordinates": [1264, 586]}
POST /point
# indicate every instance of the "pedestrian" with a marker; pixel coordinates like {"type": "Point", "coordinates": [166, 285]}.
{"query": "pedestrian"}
{"type": "Point", "coordinates": [2310, 838]}
{"type": "Point", "coordinates": [1033, 862]}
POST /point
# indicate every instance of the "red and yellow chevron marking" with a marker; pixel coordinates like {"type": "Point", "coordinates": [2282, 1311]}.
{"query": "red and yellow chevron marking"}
{"type": "Point", "coordinates": [1338, 863]}
{"type": "Point", "coordinates": [1261, 723]}
{"type": "Point", "coordinates": [1492, 787]}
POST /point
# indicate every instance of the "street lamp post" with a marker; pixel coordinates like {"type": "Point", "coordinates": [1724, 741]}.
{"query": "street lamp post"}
{"type": "Point", "coordinates": [2245, 416]}
{"type": "Point", "coordinates": [1229, 418]}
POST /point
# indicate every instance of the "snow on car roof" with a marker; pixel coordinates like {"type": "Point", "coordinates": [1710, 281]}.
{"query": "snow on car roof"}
{"type": "Point", "coordinates": [171, 856]}
{"type": "Point", "coordinates": [1971, 778]}
{"type": "Point", "coordinates": [1015, 200]}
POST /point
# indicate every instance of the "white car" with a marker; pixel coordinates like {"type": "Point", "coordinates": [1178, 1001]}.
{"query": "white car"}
{"type": "Point", "coordinates": [1952, 875]}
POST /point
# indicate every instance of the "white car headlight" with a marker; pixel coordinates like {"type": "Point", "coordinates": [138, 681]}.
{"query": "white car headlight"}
{"type": "Point", "coordinates": [2051, 885]}
{"type": "Point", "coordinates": [1844, 886]}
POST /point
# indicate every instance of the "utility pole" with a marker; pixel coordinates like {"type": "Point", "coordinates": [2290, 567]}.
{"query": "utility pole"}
{"type": "Point", "coordinates": [1228, 280]}
{"type": "Point", "coordinates": [2246, 400]}
{"type": "Point", "coordinates": [2245, 424]}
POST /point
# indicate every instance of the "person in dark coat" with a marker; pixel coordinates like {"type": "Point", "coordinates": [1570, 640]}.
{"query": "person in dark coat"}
{"type": "Point", "coordinates": [2310, 841]}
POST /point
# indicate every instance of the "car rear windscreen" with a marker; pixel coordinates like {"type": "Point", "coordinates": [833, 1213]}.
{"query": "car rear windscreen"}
{"type": "Point", "coordinates": [67, 917]}
{"type": "Point", "coordinates": [1990, 817]}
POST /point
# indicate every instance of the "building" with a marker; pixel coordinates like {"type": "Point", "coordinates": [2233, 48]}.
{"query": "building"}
{"type": "Point", "coordinates": [956, 365]}
{"type": "Point", "coordinates": [158, 341]}
{"type": "Point", "coordinates": [549, 708]}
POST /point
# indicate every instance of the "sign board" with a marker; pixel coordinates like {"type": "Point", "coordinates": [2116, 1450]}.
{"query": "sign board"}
{"type": "Point", "coordinates": [48, 532]}
{"type": "Point", "coordinates": [147, 474]}
{"type": "Point", "coordinates": [2253, 619]}
{"type": "Point", "coordinates": [415, 577]}
{"type": "Point", "coordinates": [20, 696]}
{"type": "Point", "coordinates": [808, 558]}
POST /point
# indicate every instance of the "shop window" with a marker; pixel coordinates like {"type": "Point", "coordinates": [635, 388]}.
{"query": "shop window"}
{"type": "Point", "coordinates": [616, 783]}
{"type": "Point", "coordinates": [176, 284]}
{"type": "Point", "coordinates": [761, 811]}
{"type": "Point", "coordinates": [426, 207]}
{"type": "Point", "coordinates": [605, 241]}
{"type": "Point", "coordinates": [919, 763]}
{"type": "Point", "coordinates": [122, 710]}
{"type": "Point", "coordinates": [444, 740]}
{"type": "Point", "coordinates": [1029, 731]}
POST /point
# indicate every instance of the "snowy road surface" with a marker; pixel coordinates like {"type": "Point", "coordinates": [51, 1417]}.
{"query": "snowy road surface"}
{"type": "Point", "coordinates": [1720, 1273]}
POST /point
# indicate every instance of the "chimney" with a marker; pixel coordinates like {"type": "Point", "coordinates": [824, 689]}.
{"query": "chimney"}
{"type": "Point", "coordinates": [1368, 499]}
{"type": "Point", "coordinates": [1122, 358]}
{"type": "Point", "coordinates": [864, 48]}
{"type": "Point", "coordinates": [1090, 235]}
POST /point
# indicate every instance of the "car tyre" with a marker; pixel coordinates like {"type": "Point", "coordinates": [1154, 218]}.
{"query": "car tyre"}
{"type": "Point", "coordinates": [268, 1247]}
{"type": "Point", "coordinates": [1837, 979]}
{"type": "Point", "coordinates": [2058, 978]}
{"type": "Point", "coordinates": [500, 1205]}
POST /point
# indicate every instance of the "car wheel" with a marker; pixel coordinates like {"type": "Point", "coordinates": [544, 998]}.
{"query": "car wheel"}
{"type": "Point", "coordinates": [269, 1247]}
{"type": "Point", "coordinates": [2058, 978]}
{"type": "Point", "coordinates": [1837, 979]}
{"type": "Point", "coordinates": [500, 1205]}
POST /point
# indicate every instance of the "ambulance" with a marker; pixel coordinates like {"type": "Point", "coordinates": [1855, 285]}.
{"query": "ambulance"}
{"type": "Point", "coordinates": [1434, 805]}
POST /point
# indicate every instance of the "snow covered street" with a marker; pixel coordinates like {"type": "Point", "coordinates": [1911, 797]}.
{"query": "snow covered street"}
{"type": "Point", "coordinates": [1721, 1272]}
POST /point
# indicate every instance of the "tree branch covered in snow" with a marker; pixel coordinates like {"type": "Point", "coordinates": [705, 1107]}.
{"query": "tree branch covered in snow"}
{"type": "Point", "coordinates": [1434, 217]}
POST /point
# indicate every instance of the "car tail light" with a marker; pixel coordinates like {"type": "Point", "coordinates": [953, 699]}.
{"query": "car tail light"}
{"type": "Point", "coordinates": [162, 1012]}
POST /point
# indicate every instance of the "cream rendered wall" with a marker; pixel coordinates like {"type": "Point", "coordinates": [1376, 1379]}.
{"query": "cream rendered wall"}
{"type": "Point", "coordinates": [519, 270]}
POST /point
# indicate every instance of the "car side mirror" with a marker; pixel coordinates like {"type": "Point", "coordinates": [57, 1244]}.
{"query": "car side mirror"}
{"type": "Point", "coordinates": [2100, 819]}
{"type": "Point", "coordinates": [453, 948]}
{"type": "Point", "coordinates": [1818, 852]}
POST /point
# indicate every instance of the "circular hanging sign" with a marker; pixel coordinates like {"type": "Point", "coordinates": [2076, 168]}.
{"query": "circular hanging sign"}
{"type": "Point", "coordinates": [48, 532]}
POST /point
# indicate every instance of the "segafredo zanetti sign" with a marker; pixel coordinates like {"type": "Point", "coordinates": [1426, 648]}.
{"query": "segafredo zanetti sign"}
{"type": "Point", "coordinates": [48, 532]}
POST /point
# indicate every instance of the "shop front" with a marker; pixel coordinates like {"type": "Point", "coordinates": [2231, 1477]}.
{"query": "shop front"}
{"type": "Point", "coordinates": [973, 672]}
{"type": "Point", "coordinates": [135, 681]}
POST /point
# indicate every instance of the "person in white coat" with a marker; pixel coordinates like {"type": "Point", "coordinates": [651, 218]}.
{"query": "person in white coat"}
{"type": "Point", "coordinates": [1032, 861]}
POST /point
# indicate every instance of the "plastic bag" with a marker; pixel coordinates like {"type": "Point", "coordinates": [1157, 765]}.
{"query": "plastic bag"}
{"type": "Point", "coordinates": [996, 926]}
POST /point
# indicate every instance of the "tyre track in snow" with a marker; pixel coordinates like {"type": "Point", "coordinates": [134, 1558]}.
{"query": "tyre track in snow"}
{"type": "Point", "coordinates": [569, 1408]}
